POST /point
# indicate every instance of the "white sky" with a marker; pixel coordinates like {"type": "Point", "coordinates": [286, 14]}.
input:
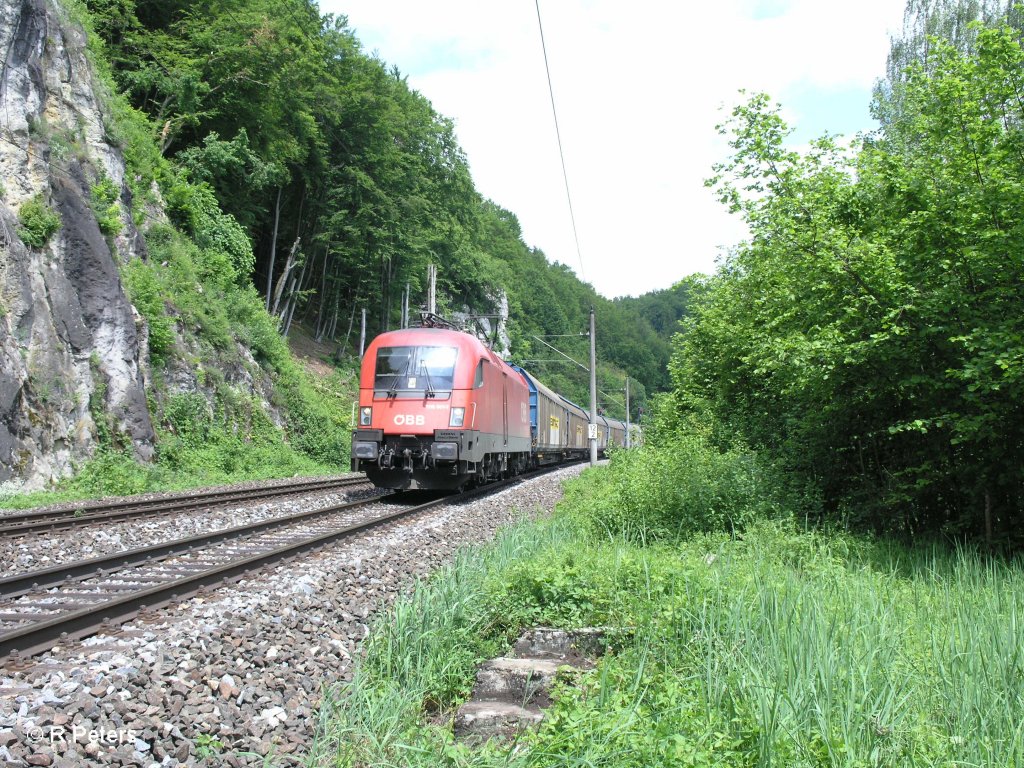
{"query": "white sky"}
{"type": "Point", "coordinates": [639, 88]}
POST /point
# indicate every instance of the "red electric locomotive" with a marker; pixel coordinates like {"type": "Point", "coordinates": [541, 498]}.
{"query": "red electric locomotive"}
{"type": "Point", "coordinates": [438, 409]}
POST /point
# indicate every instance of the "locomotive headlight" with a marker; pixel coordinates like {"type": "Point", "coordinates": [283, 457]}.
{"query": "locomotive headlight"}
{"type": "Point", "coordinates": [457, 417]}
{"type": "Point", "coordinates": [366, 450]}
{"type": "Point", "coordinates": [365, 416]}
{"type": "Point", "coordinates": [444, 451]}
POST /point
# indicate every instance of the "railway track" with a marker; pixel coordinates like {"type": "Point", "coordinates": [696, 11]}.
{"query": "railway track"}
{"type": "Point", "coordinates": [42, 608]}
{"type": "Point", "coordinates": [45, 521]}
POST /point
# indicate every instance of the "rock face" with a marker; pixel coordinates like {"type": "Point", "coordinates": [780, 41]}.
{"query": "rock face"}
{"type": "Point", "coordinates": [72, 347]}
{"type": "Point", "coordinates": [484, 325]}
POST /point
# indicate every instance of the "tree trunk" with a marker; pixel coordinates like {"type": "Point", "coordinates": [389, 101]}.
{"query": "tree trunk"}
{"type": "Point", "coordinates": [334, 318]}
{"type": "Point", "coordinates": [321, 315]}
{"type": "Point", "coordinates": [273, 247]}
{"type": "Point", "coordinates": [351, 320]}
{"type": "Point", "coordinates": [289, 306]}
{"type": "Point", "coordinates": [288, 265]}
{"type": "Point", "coordinates": [320, 294]}
{"type": "Point", "coordinates": [293, 298]}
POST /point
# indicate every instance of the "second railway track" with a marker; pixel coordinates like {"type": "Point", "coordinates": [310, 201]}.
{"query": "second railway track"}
{"type": "Point", "coordinates": [45, 521]}
{"type": "Point", "coordinates": [42, 608]}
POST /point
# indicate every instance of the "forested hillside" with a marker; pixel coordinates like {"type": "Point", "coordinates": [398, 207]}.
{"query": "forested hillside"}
{"type": "Point", "coordinates": [346, 182]}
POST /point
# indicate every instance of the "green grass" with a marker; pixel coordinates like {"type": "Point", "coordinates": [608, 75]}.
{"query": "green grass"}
{"type": "Point", "coordinates": [225, 460]}
{"type": "Point", "coordinates": [421, 658]}
{"type": "Point", "coordinates": [773, 646]}
{"type": "Point", "coordinates": [222, 435]}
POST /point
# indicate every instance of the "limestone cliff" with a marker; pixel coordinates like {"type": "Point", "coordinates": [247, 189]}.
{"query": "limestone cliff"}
{"type": "Point", "coordinates": [72, 347]}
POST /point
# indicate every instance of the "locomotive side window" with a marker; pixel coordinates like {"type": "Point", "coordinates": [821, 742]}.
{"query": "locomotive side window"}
{"type": "Point", "coordinates": [478, 378]}
{"type": "Point", "coordinates": [404, 370]}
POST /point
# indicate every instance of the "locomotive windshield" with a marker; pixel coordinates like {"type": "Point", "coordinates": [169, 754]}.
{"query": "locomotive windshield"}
{"type": "Point", "coordinates": [427, 370]}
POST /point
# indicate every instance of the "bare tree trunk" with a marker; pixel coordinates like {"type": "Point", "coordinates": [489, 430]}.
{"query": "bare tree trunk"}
{"type": "Point", "coordinates": [309, 304]}
{"type": "Point", "coordinates": [273, 247]}
{"type": "Point", "coordinates": [351, 321]}
{"type": "Point", "coordinates": [322, 313]}
{"type": "Point", "coordinates": [334, 318]}
{"type": "Point", "coordinates": [289, 307]}
{"type": "Point", "coordinates": [288, 265]}
{"type": "Point", "coordinates": [293, 297]}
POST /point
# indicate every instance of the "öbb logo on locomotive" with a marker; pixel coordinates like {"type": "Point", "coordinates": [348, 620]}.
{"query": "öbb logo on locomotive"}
{"type": "Point", "coordinates": [439, 410]}
{"type": "Point", "coordinates": [417, 420]}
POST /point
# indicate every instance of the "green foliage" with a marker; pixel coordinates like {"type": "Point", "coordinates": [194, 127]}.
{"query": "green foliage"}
{"type": "Point", "coordinates": [144, 290]}
{"type": "Point", "coordinates": [196, 446]}
{"type": "Point", "coordinates": [38, 222]}
{"type": "Point", "coordinates": [677, 484]}
{"type": "Point", "coordinates": [111, 472]}
{"type": "Point", "coordinates": [233, 439]}
{"type": "Point", "coordinates": [774, 647]}
{"type": "Point", "coordinates": [226, 254]}
{"type": "Point", "coordinates": [422, 655]}
{"type": "Point", "coordinates": [208, 746]}
{"type": "Point", "coordinates": [275, 115]}
{"type": "Point", "coordinates": [687, 487]}
{"type": "Point", "coordinates": [868, 337]}
{"type": "Point", "coordinates": [106, 434]}
{"type": "Point", "coordinates": [781, 648]}
{"type": "Point", "coordinates": [104, 195]}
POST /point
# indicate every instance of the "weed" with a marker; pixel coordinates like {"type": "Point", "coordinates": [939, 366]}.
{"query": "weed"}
{"type": "Point", "coordinates": [145, 291]}
{"type": "Point", "coordinates": [208, 746]}
{"type": "Point", "coordinates": [772, 647]}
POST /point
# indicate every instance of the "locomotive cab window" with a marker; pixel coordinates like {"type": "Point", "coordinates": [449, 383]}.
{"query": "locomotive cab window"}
{"type": "Point", "coordinates": [414, 371]}
{"type": "Point", "coordinates": [478, 378]}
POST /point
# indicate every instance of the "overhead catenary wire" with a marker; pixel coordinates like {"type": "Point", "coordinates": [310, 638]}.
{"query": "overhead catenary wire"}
{"type": "Point", "coordinates": [558, 135]}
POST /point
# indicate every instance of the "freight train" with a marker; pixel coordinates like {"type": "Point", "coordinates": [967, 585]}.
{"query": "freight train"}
{"type": "Point", "coordinates": [439, 410]}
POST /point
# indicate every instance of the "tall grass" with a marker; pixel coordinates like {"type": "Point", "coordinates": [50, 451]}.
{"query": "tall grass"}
{"type": "Point", "coordinates": [785, 649]}
{"type": "Point", "coordinates": [780, 648]}
{"type": "Point", "coordinates": [752, 644]}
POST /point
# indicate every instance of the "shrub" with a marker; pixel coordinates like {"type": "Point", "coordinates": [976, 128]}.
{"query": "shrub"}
{"type": "Point", "coordinates": [145, 292]}
{"type": "Point", "coordinates": [188, 416]}
{"type": "Point", "coordinates": [105, 203]}
{"type": "Point", "coordinates": [227, 255]}
{"type": "Point", "coordinates": [39, 222]}
{"type": "Point", "coordinates": [683, 487]}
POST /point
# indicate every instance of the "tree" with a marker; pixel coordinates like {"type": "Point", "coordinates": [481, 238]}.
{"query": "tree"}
{"type": "Point", "coordinates": [870, 334]}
